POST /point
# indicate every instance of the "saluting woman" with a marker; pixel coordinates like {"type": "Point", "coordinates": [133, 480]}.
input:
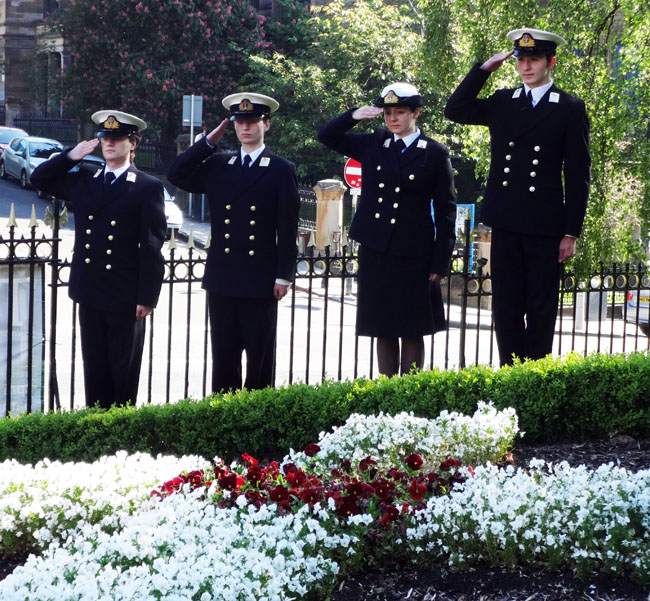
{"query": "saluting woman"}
{"type": "Point", "coordinates": [405, 225]}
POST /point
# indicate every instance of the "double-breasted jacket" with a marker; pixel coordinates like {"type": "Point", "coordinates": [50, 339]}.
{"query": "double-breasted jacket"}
{"type": "Point", "coordinates": [540, 163]}
{"type": "Point", "coordinates": [253, 215]}
{"type": "Point", "coordinates": [398, 193]}
{"type": "Point", "coordinates": [119, 232]}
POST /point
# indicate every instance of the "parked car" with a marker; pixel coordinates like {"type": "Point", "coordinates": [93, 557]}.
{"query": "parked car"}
{"type": "Point", "coordinates": [638, 309]}
{"type": "Point", "coordinates": [7, 134]}
{"type": "Point", "coordinates": [173, 214]}
{"type": "Point", "coordinates": [24, 154]}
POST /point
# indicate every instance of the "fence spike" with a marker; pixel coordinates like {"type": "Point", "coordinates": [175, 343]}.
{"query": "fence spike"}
{"type": "Point", "coordinates": [312, 239]}
{"type": "Point", "coordinates": [63, 217]}
{"type": "Point", "coordinates": [12, 217]}
{"type": "Point", "coordinates": [208, 240]}
{"type": "Point", "coordinates": [190, 239]}
{"type": "Point", "coordinates": [32, 220]}
{"type": "Point", "coordinates": [328, 239]}
{"type": "Point", "coordinates": [172, 241]}
{"type": "Point", "coordinates": [344, 237]}
{"type": "Point", "coordinates": [48, 218]}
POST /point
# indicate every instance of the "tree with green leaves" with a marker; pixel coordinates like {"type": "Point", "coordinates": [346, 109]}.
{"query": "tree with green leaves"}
{"type": "Point", "coordinates": [348, 53]}
{"type": "Point", "coordinates": [142, 56]}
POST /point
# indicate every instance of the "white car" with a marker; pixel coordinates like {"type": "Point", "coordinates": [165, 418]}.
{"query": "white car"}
{"type": "Point", "coordinates": [23, 154]}
{"type": "Point", "coordinates": [638, 309]}
{"type": "Point", "coordinates": [173, 214]}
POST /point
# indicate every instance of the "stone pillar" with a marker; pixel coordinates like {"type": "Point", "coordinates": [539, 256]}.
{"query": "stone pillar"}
{"type": "Point", "coordinates": [329, 210]}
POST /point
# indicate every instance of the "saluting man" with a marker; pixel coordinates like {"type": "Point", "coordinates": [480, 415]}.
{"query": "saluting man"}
{"type": "Point", "coordinates": [253, 198]}
{"type": "Point", "coordinates": [117, 267]}
{"type": "Point", "coordinates": [539, 137]}
{"type": "Point", "coordinates": [403, 255]}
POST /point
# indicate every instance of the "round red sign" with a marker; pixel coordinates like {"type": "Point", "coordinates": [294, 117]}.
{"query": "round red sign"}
{"type": "Point", "coordinates": [352, 173]}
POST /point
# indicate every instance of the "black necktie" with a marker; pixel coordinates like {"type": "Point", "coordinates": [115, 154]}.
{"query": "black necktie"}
{"type": "Point", "coordinates": [399, 146]}
{"type": "Point", "coordinates": [529, 99]}
{"type": "Point", "coordinates": [247, 161]}
{"type": "Point", "coordinates": [108, 178]}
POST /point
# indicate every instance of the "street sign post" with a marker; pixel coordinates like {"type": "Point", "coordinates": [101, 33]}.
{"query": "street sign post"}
{"type": "Point", "coordinates": [192, 115]}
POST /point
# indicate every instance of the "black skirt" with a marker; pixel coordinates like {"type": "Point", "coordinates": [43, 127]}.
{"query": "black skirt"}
{"type": "Point", "coordinates": [395, 298]}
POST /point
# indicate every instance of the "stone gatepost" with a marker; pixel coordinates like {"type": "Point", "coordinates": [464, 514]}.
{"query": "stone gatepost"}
{"type": "Point", "coordinates": [329, 210]}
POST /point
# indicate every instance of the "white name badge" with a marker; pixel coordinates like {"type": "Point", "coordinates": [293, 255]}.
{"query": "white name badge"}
{"type": "Point", "coordinates": [387, 143]}
{"type": "Point", "coordinates": [232, 160]}
{"type": "Point", "coordinates": [554, 97]}
{"type": "Point", "coordinates": [264, 161]}
{"type": "Point", "coordinates": [517, 93]}
{"type": "Point", "coordinates": [130, 176]}
{"type": "Point", "coordinates": [422, 143]}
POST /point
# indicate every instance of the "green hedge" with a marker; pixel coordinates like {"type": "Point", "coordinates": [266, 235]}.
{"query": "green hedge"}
{"type": "Point", "coordinates": [555, 399]}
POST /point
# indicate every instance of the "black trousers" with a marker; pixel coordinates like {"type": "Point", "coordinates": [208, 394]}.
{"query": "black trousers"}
{"type": "Point", "coordinates": [525, 285]}
{"type": "Point", "coordinates": [111, 346]}
{"type": "Point", "coordinates": [238, 325]}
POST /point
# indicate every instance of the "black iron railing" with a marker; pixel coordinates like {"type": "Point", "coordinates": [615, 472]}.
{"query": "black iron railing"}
{"type": "Point", "coordinates": [40, 365]}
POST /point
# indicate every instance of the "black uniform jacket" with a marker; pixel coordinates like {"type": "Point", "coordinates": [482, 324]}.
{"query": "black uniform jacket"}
{"type": "Point", "coordinates": [532, 149]}
{"type": "Point", "coordinates": [119, 231]}
{"type": "Point", "coordinates": [394, 211]}
{"type": "Point", "coordinates": [253, 214]}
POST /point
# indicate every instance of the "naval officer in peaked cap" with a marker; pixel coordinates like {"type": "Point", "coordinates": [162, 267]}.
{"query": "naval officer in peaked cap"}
{"type": "Point", "coordinates": [537, 188]}
{"type": "Point", "coordinates": [253, 199]}
{"type": "Point", "coordinates": [403, 254]}
{"type": "Point", "coordinates": [117, 267]}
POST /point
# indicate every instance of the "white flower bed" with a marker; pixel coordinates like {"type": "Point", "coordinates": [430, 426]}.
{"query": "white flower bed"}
{"type": "Point", "coordinates": [556, 515]}
{"type": "Point", "coordinates": [185, 548]}
{"type": "Point", "coordinates": [49, 501]}
{"type": "Point", "coordinates": [474, 440]}
{"type": "Point", "coordinates": [105, 539]}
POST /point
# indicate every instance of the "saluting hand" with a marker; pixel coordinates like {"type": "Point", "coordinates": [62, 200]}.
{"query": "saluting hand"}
{"type": "Point", "coordinates": [84, 148]}
{"type": "Point", "coordinates": [215, 135]}
{"type": "Point", "coordinates": [366, 112]}
{"type": "Point", "coordinates": [495, 62]}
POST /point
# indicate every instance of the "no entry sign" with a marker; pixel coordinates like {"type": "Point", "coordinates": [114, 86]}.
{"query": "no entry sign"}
{"type": "Point", "coordinates": [352, 173]}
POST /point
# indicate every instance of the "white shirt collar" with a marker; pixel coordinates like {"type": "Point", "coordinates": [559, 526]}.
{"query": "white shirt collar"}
{"type": "Point", "coordinates": [408, 140]}
{"type": "Point", "coordinates": [117, 172]}
{"type": "Point", "coordinates": [253, 155]}
{"type": "Point", "coordinates": [538, 92]}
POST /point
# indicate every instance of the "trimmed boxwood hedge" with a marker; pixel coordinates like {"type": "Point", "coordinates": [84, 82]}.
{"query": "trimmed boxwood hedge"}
{"type": "Point", "coordinates": [570, 398]}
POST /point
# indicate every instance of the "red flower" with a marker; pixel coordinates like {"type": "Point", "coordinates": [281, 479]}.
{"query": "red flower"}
{"type": "Point", "coordinates": [390, 515]}
{"type": "Point", "coordinates": [449, 464]}
{"type": "Point", "coordinates": [365, 464]}
{"type": "Point", "coordinates": [346, 506]}
{"type": "Point", "coordinates": [312, 449]}
{"type": "Point", "coordinates": [250, 460]}
{"type": "Point", "coordinates": [417, 490]}
{"type": "Point", "coordinates": [279, 494]}
{"type": "Point", "coordinates": [230, 482]}
{"type": "Point", "coordinates": [382, 488]}
{"type": "Point", "coordinates": [414, 461]}
{"type": "Point", "coordinates": [297, 478]}
{"type": "Point", "coordinates": [359, 490]}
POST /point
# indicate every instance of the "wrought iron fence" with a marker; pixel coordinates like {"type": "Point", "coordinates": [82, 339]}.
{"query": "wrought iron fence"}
{"type": "Point", "coordinates": [40, 367]}
{"type": "Point", "coordinates": [63, 130]}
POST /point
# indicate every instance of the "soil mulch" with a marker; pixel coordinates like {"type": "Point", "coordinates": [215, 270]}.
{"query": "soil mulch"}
{"type": "Point", "coordinates": [484, 583]}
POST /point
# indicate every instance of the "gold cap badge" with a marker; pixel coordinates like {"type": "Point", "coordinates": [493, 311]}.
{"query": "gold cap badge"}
{"type": "Point", "coordinates": [527, 41]}
{"type": "Point", "coordinates": [245, 105]}
{"type": "Point", "coordinates": [111, 123]}
{"type": "Point", "coordinates": [391, 98]}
